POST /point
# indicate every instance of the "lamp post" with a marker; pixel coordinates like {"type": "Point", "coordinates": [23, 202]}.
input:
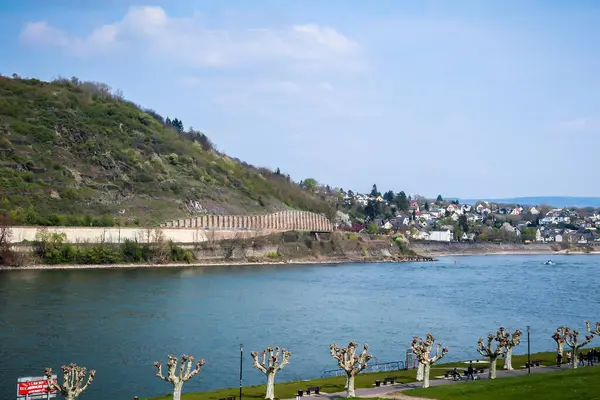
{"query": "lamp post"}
{"type": "Point", "coordinates": [528, 352]}
{"type": "Point", "coordinates": [241, 367]}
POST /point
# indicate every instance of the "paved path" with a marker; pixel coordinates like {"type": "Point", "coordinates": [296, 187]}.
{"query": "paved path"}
{"type": "Point", "coordinates": [385, 391]}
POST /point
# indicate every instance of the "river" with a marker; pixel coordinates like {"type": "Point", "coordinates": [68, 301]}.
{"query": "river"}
{"type": "Point", "coordinates": [119, 321]}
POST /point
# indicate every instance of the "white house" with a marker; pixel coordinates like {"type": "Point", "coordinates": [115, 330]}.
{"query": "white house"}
{"type": "Point", "coordinates": [534, 211]}
{"type": "Point", "coordinates": [441, 236]}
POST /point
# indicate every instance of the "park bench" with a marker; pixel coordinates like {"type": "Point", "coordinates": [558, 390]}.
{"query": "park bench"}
{"type": "Point", "coordinates": [390, 379]}
{"type": "Point", "coordinates": [535, 363]}
{"type": "Point", "coordinates": [228, 398]}
{"type": "Point", "coordinates": [316, 389]}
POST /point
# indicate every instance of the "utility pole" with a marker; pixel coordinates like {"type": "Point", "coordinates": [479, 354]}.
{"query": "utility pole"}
{"type": "Point", "coordinates": [528, 351]}
{"type": "Point", "coordinates": [241, 367]}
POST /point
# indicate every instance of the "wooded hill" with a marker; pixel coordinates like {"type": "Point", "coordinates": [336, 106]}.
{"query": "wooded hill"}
{"type": "Point", "coordinates": [76, 153]}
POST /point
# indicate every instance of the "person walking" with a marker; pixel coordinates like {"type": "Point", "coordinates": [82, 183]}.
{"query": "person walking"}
{"type": "Point", "coordinates": [470, 371]}
{"type": "Point", "coordinates": [590, 359]}
{"type": "Point", "coordinates": [580, 358]}
{"type": "Point", "coordinates": [569, 357]}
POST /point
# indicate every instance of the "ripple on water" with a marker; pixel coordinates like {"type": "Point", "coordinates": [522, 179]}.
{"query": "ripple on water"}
{"type": "Point", "coordinates": [121, 321]}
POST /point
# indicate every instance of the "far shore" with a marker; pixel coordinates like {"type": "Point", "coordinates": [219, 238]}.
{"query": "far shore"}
{"type": "Point", "coordinates": [209, 264]}
{"type": "Point", "coordinates": [337, 261]}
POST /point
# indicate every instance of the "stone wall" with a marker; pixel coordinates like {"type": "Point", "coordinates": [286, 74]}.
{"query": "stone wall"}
{"type": "Point", "coordinates": [289, 220]}
{"type": "Point", "coordinates": [119, 235]}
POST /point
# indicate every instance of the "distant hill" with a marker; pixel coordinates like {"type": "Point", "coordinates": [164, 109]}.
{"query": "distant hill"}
{"type": "Point", "coordinates": [553, 201]}
{"type": "Point", "coordinates": [73, 153]}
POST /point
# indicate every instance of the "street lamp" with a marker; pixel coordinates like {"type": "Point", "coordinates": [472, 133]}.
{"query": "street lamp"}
{"type": "Point", "coordinates": [241, 367]}
{"type": "Point", "coordinates": [528, 352]}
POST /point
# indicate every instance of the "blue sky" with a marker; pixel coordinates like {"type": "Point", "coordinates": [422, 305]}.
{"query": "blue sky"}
{"type": "Point", "coordinates": [463, 98]}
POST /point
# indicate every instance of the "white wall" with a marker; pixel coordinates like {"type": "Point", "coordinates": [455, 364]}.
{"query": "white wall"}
{"type": "Point", "coordinates": [441, 236]}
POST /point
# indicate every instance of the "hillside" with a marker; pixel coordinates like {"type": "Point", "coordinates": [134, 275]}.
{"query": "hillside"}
{"type": "Point", "coordinates": [73, 153]}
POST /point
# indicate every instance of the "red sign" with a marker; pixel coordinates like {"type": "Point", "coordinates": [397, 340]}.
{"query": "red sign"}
{"type": "Point", "coordinates": [34, 387]}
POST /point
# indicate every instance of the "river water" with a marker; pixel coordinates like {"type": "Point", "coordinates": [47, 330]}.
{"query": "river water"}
{"type": "Point", "coordinates": [120, 321]}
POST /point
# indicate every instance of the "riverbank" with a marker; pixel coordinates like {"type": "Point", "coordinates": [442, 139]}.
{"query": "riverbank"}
{"type": "Point", "coordinates": [440, 249]}
{"type": "Point", "coordinates": [208, 264]}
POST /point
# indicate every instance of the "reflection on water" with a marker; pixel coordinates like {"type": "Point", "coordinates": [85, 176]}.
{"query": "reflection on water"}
{"type": "Point", "coordinates": [119, 321]}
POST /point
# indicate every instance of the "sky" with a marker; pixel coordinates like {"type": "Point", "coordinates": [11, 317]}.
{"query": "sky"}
{"type": "Point", "coordinates": [464, 98]}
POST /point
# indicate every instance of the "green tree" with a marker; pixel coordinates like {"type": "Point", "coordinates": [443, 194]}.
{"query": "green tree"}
{"type": "Point", "coordinates": [389, 196]}
{"type": "Point", "coordinates": [439, 199]}
{"type": "Point", "coordinates": [528, 233]}
{"type": "Point", "coordinates": [310, 184]}
{"type": "Point", "coordinates": [426, 206]}
{"type": "Point", "coordinates": [401, 201]}
{"type": "Point", "coordinates": [372, 228]}
{"type": "Point", "coordinates": [463, 223]}
{"type": "Point", "coordinates": [374, 191]}
{"type": "Point", "coordinates": [373, 209]}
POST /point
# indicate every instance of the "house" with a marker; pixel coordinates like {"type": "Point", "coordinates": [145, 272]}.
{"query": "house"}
{"type": "Point", "coordinates": [467, 237]}
{"type": "Point", "coordinates": [441, 235]}
{"type": "Point", "coordinates": [558, 238]}
{"type": "Point", "coordinates": [387, 226]}
{"type": "Point", "coordinates": [414, 206]}
{"type": "Point", "coordinates": [533, 211]}
{"type": "Point", "coordinates": [538, 236]}
{"type": "Point", "coordinates": [453, 208]}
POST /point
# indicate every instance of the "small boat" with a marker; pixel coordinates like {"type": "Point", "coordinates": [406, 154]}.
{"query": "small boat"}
{"type": "Point", "coordinates": [548, 263]}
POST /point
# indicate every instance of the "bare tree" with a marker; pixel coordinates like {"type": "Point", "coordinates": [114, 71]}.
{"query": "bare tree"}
{"type": "Point", "coordinates": [178, 378]}
{"type": "Point", "coordinates": [73, 380]}
{"type": "Point", "coordinates": [511, 341]}
{"type": "Point", "coordinates": [270, 366]}
{"type": "Point", "coordinates": [350, 362]}
{"type": "Point", "coordinates": [422, 349]}
{"type": "Point", "coordinates": [573, 342]}
{"type": "Point", "coordinates": [560, 337]}
{"type": "Point", "coordinates": [488, 351]}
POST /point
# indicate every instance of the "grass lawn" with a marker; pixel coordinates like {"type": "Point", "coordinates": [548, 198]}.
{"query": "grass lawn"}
{"type": "Point", "coordinates": [583, 383]}
{"type": "Point", "coordinates": [332, 385]}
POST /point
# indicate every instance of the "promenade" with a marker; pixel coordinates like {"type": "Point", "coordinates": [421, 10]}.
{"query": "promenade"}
{"type": "Point", "coordinates": [395, 391]}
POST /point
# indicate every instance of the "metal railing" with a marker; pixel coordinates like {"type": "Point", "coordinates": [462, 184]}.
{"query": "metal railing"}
{"type": "Point", "coordinates": [377, 367]}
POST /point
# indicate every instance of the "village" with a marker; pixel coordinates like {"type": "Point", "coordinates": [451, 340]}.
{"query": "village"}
{"type": "Point", "coordinates": [448, 221]}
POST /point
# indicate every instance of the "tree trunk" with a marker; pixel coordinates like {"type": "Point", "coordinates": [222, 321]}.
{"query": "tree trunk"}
{"type": "Point", "coordinates": [561, 348]}
{"type": "Point", "coordinates": [426, 371]}
{"type": "Point", "coordinates": [270, 386]}
{"type": "Point", "coordinates": [574, 359]}
{"type": "Point", "coordinates": [508, 359]}
{"type": "Point", "coordinates": [347, 379]}
{"type": "Point", "coordinates": [420, 371]}
{"type": "Point", "coordinates": [492, 374]}
{"type": "Point", "coordinates": [70, 396]}
{"type": "Point", "coordinates": [177, 391]}
{"type": "Point", "coordinates": [350, 390]}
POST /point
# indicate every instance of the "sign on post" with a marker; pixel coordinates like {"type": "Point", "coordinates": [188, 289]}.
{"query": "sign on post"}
{"type": "Point", "coordinates": [35, 388]}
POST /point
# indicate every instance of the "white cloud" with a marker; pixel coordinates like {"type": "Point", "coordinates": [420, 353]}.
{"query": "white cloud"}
{"type": "Point", "coordinates": [152, 31]}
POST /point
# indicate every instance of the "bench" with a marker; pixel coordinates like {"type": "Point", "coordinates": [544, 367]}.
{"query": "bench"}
{"type": "Point", "coordinates": [390, 379]}
{"type": "Point", "coordinates": [316, 389]}
{"type": "Point", "coordinates": [535, 363]}
{"type": "Point", "coordinates": [228, 398]}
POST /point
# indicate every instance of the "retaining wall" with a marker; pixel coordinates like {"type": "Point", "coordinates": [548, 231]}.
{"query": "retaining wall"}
{"type": "Point", "coordinates": [280, 221]}
{"type": "Point", "coordinates": [119, 235]}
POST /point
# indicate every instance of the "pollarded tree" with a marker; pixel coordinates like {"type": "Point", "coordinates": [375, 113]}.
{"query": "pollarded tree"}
{"type": "Point", "coordinates": [511, 341]}
{"type": "Point", "coordinates": [179, 378]}
{"type": "Point", "coordinates": [270, 366]}
{"type": "Point", "coordinates": [594, 332]}
{"type": "Point", "coordinates": [560, 336]}
{"type": "Point", "coordinates": [573, 342]}
{"type": "Point", "coordinates": [350, 362]}
{"type": "Point", "coordinates": [488, 351]}
{"type": "Point", "coordinates": [422, 349]}
{"type": "Point", "coordinates": [73, 380]}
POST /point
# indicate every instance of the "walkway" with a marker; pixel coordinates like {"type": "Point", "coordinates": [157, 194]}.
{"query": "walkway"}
{"type": "Point", "coordinates": [386, 391]}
